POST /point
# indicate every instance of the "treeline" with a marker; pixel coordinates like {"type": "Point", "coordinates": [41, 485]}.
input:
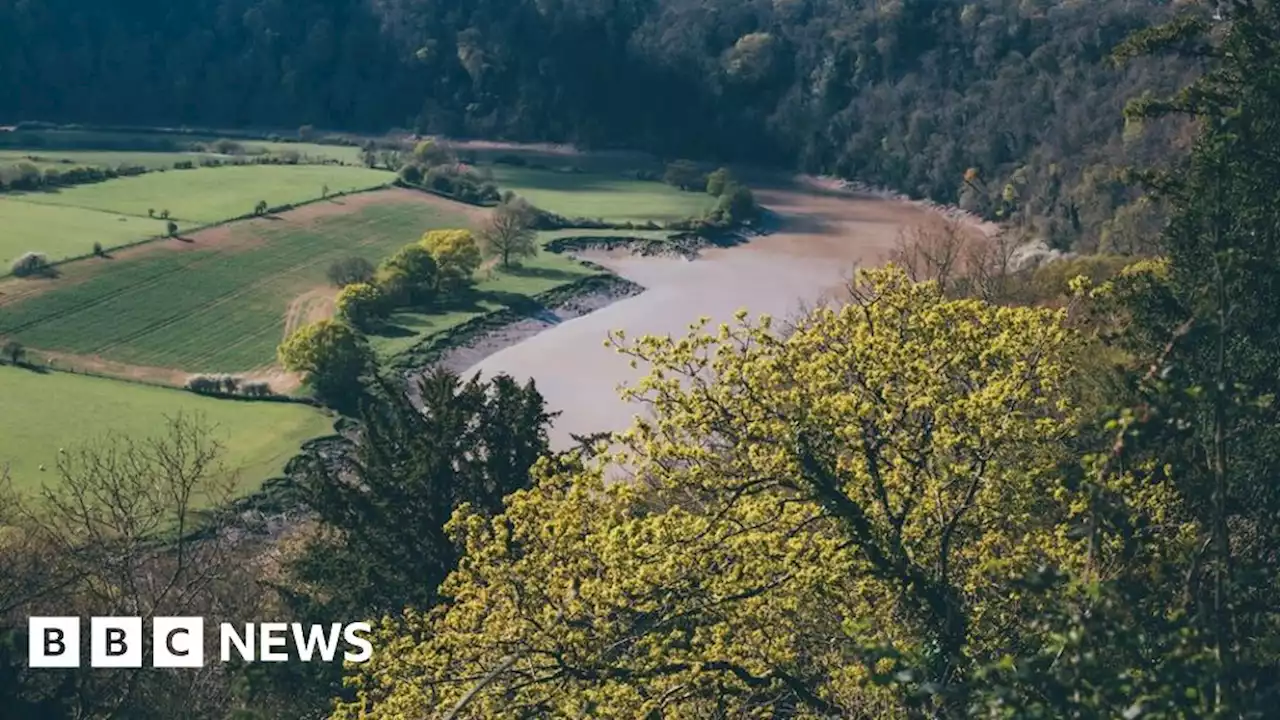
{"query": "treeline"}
{"type": "Point", "coordinates": [1009, 108]}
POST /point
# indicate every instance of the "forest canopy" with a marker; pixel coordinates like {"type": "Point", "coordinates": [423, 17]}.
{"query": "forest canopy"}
{"type": "Point", "coordinates": [1011, 108]}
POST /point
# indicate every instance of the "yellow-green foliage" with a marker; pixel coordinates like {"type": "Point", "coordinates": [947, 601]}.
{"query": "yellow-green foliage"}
{"type": "Point", "coordinates": [456, 252]}
{"type": "Point", "coordinates": [329, 352]}
{"type": "Point", "coordinates": [359, 303]}
{"type": "Point", "coordinates": [795, 498]}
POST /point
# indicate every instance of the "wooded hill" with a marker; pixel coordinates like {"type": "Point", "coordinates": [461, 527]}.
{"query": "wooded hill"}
{"type": "Point", "coordinates": [1011, 108]}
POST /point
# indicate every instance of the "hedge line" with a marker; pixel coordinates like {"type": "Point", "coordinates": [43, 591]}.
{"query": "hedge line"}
{"type": "Point", "coordinates": [247, 216]}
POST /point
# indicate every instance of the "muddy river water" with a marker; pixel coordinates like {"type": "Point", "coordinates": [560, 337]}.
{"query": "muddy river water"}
{"type": "Point", "coordinates": [822, 236]}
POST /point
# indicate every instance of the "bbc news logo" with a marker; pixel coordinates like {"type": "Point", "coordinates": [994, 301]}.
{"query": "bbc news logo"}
{"type": "Point", "coordinates": [178, 642]}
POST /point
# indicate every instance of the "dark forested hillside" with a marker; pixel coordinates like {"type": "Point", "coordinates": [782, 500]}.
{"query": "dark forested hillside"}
{"type": "Point", "coordinates": [905, 93]}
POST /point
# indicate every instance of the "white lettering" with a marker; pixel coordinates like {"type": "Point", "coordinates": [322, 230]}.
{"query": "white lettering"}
{"type": "Point", "coordinates": [272, 635]}
{"type": "Point", "coordinates": [366, 647]}
{"type": "Point", "coordinates": [328, 644]}
{"type": "Point", "coordinates": [231, 637]}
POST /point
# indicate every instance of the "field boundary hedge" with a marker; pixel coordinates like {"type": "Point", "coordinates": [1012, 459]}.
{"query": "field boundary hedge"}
{"type": "Point", "coordinates": [46, 367]}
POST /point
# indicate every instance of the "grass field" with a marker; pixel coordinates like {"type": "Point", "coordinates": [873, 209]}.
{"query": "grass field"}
{"type": "Point", "coordinates": [63, 232]}
{"type": "Point", "coordinates": [609, 197]}
{"type": "Point", "coordinates": [215, 308]}
{"type": "Point", "coordinates": [47, 411]}
{"type": "Point", "coordinates": [496, 288]}
{"type": "Point", "coordinates": [209, 195]}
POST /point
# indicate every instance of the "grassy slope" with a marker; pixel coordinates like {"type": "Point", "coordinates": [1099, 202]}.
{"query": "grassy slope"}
{"type": "Point", "coordinates": [63, 232]}
{"type": "Point", "coordinates": [209, 195]}
{"type": "Point", "coordinates": [495, 289]}
{"type": "Point", "coordinates": [607, 196]}
{"type": "Point", "coordinates": [44, 412]}
{"type": "Point", "coordinates": [219, 309]}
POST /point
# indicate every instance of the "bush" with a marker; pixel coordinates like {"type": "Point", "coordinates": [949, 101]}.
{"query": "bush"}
{"type": "Point", "coordinates": [204, 384]}
{"type": "Point", "coordinates": [31, 264]}
{"type": "Point", "coordinates": [97, 250]}
{"type": "Point", "coordinates": [412, 174]}
{"type": "Point", "coordinates": [171, 227]}
{"type": "Point", "coordinates": [465, 185]}
{"type": "Point", "coordinates": [256, 388]}
{"type": "Point", "coordinates": [349, 271]}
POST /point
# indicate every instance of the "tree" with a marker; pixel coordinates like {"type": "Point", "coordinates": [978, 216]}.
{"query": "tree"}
{"type": "Point", "coordinates": [14, 351]}
{"type": "Point", "coordinates": [350, 270]}
{"type": "Point", "coordinates": [171, 228]}
{"type": "Point", "coordinates": [324, 191]}
{"type": "Point", "coordinates": [469, 442]}
{"type": "Point", "coordinates": [369, 154]}
{"type": "Point", "coordinates": [456, 254]}
{"type": "Point", "coordinates": [508, 233]}
{"type": "Point", "coordinates": [718, 181]}
{"type": "Point", "coordinates": [331, 355]}
{"type": "Point", "coordinates": [1207, 320]}
{"type": "Point", "coordinates": [261, 208]}
{"type": "Point", "coordinates": [685, 175]}
{"type": "Point", "coordinates": [31, 264]}
{"type": "Point", "coordinates": [431, 153]}
{"type": "Point", "coordinates": [808, 513]}
{"type": "Point", "coordinates": [126, 520]}
{"type": "Point", "coordinates": [736, 205]}
{"type": "Point", "coordinates": [360, 304]}
{"type": "Point", "coordinates": [97, 250]}
{"type": "Point", "coordinates": [411, 276]}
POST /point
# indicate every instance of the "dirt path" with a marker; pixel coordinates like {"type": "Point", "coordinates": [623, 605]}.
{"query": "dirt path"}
{"type": "Point", "coordinates": [823, 234]}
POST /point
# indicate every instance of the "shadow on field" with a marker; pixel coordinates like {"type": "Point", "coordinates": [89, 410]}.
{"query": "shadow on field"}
{"type": "Point", "coordinates": [29, 367]}
{"type": "Point", "coordinates": [537, 272]}
{"type": "Point", "coordinates": [391, 330]}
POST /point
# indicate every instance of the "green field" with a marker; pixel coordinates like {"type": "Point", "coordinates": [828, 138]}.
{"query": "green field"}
{"type": "Point", "coordinates": [544, 272]}
{"type": "Point", "coordinates": [209, 195]}
{"type": "Point", "coordinates": [608, 197]}
{"type": "Point", "coordinates": [215, 309]}
{"type": "Point", "coordinates": [47, 411]}
{"type": "Point", "coordinates": [63, 232]}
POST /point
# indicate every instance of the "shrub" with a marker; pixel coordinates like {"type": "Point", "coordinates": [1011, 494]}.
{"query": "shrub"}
{"type": "Point", "coordinates": [172, 228]}
{"type": "Point", "coordinates": [204, 384]}
{"type": "Point", "coordinates": [97, 249]}
{"type": "Point", "coordinates": [350, 270]}
{"type": "Point", "coordinates": [411, 173]}
{"type": "Point", "coordinates": [31, 264]}
{"type": "Point", "coordinates": [256, 388]}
